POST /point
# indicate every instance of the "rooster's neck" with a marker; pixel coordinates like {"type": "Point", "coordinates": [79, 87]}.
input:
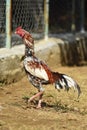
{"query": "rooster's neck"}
{"type": "Point", "coordinates": [29, 52]}
{"type": "Point", "coordinates": [29, 48]}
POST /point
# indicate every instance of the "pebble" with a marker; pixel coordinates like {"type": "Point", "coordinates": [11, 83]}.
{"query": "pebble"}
{"type": "Point", "coordinates": [1, 107]}
{"type": "Point", "coordinates": [76, 109]}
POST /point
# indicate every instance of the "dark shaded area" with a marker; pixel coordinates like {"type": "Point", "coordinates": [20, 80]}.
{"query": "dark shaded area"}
{"type": "Point", "coordinates": [85, 24]}
{"type": "Point", "coordinates": [74, 50]}
{"type": "Point", "coordinates": [61, 16]}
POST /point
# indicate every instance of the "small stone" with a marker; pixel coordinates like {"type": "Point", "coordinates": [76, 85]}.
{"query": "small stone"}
{"type": "Point", "coordinates": [76, 109]}
{"type": "Point", "coordinates": [1, 107]}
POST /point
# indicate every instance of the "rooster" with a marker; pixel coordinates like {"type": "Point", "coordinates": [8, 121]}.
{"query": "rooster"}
{"type": "Point", "coordinates": [39, 73]}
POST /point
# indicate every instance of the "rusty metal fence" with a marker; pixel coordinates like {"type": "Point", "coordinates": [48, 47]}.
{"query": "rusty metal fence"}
{"type": "Point", "coordinates": [59, 16]}
{"type": "Point", "coordinates": [28, 14]}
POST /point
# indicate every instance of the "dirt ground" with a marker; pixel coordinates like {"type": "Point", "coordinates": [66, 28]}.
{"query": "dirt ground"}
{"type": "Point", "coordinates": [60, 110]}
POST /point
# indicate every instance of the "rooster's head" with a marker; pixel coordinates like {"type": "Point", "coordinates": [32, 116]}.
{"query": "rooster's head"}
{"type": "Point", "coordinates": [25, 35]}
{"type": "Point", "coordinates": [20, 31]}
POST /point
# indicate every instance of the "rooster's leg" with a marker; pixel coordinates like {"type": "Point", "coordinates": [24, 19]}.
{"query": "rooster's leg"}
{"type": "Point", "coordinates": [40, 100]}
{"type": "Point", "coordinates": [39, 94]}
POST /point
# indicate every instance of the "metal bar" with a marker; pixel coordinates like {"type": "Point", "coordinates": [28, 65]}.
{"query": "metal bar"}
{"type": "Point", "coordinates": [8, 23]}
{"type": "Point", "coordinates": [73, 27]}
{"type": "Point", "coordinates": [82, 16]}
{"type": "Point", "coordinates": [46, 18]}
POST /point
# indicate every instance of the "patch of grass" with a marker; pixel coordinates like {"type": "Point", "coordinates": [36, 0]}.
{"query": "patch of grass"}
{"type": "Point", "coordinates": [50, 95]}
{"type": "Point", "coordinates": [25, 97]}
{"type": "Point", "coordinates": [60, 107]}
{"type": "Point", "coordinates": [2, 84]}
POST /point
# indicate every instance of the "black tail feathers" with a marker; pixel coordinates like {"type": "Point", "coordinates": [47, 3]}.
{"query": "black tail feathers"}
{"type": "Point", "coordinates": [66, 82]}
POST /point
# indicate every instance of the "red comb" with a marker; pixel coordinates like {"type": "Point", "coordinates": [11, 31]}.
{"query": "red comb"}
{"type": "Point", "coordinates": [18, 28]}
